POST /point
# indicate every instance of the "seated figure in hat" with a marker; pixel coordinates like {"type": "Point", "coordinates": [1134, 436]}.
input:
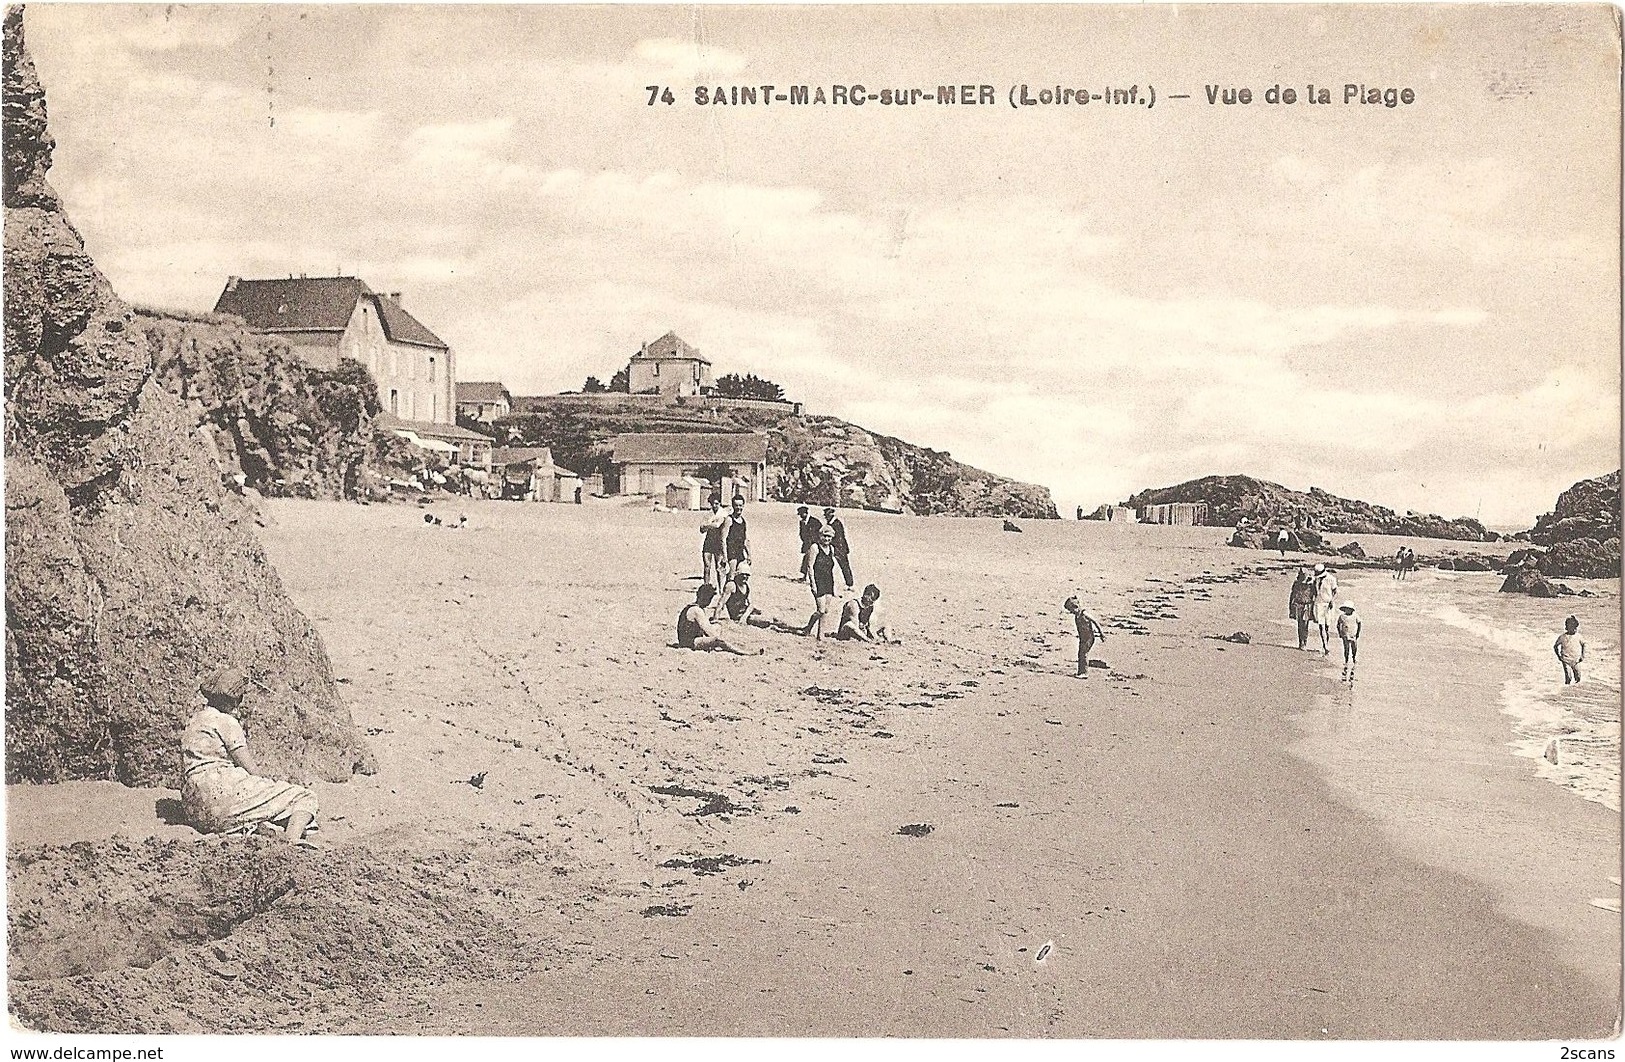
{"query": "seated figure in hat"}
{"type": "Point", "coordinates": [222, 791]}
{"type": "Point", "coordinates": [734, 601]}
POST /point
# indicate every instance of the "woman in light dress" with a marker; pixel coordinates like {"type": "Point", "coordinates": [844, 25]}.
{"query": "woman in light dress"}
{"type": "Point", "coordinates": [222, 791]}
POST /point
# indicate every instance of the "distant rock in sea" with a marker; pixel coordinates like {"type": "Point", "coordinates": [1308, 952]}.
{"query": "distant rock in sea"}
{"type": "Point", "coordinates": [1234, 500]}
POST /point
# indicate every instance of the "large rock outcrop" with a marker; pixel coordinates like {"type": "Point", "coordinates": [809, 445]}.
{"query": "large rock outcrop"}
{"type": "Point", "coordinates": [813, 458]}
{"type": "Point", "coordinates": [1582, 531]}
{"type": "Point", "coordinates": [1234, 499]}
{"type": "Point", "coordinates": [130, 571]}
{"type": "Point", "coordinates": [288, 428]}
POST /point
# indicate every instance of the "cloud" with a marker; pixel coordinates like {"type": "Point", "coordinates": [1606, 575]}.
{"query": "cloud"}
{"type": "Point", "coordinates": [687, 60]}
{"type": "Point", "coordinates": [1420, 322]}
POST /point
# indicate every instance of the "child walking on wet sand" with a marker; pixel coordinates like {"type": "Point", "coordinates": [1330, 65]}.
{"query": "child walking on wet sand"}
{"type": "Point", "coordinates": [1089, 632]}
{"type": "Point", "coordinates": [1570, 649]}
{"type": "Point", "coordinates": [1348, 629]}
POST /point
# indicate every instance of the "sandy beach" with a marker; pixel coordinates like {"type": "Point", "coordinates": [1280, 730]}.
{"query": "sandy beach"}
{"type": "Point", "coordinates": [576, 829]}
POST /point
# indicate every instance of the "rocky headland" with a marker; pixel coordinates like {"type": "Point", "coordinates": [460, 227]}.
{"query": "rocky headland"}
{"type": "Point", "coordinates": [816, 459]}
{"type": "Point", "coordinates": [130, 569]}
{"type": "Point", "coordinates": [1237, 500]}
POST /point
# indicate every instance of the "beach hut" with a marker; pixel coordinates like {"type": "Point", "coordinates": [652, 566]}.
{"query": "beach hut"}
{"type": "Point", "coordinates": [687, 493]}
{"type": "Point", "coordinates": [567, 487]}
{"type": "Point", "coordinates": [1184, 514]}
{"type": "Point", "coordinates": [646, 462]}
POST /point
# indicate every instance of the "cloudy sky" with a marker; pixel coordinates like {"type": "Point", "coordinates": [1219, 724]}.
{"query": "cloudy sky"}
{"type": "Point", "coordinates": [1418, 306]}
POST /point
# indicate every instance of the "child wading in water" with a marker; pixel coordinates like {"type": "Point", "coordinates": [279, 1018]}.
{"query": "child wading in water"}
{"type": "Point", "coordinates": [1570, 650]}
{"type": "Point", "coordinates": [1089, 632]}
{"type": "Point", "coordinates": [1348, 629]}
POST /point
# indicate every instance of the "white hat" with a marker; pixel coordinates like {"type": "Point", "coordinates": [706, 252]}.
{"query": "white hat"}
{"type": "Point", "coordinates": [1319, 568]}
{"type": "Point", "coordinates": [1346, 606]}
{"type": "Point", "coordinates": [743, 568]}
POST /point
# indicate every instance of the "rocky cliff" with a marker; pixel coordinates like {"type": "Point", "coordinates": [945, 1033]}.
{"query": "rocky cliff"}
{"type": "Point", "coordinates": [1233, 499]}
{"type": "Point", "coordinates": [289, 429]}
{"type": "Point", "coordinates": [1582, 531]}
{"type": "Point", "coordinates": [815, 459]}
{"type": "Point", "coordinates": [130, 572]}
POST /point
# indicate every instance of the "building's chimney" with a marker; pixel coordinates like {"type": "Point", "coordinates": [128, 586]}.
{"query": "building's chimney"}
{"type": "Point", "coordinates": [395, 297]}
{"type": "Point", "coordinates": [231, 283]}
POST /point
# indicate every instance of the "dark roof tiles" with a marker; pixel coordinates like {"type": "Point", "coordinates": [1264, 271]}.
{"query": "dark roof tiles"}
{"type": "Point", "coordinates": [482, 391]}
{"type": "Point", "coordinates": [317, 304]}
{"type": "Point", "coordinates": [696, 448]}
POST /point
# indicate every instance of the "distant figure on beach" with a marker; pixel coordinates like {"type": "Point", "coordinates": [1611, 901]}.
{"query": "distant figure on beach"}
{"type": "Point", "coordinates": [1283, 540]}
{"type": "Point", "coordinates": [221, 791]}
{"type": "Point", "coordinates": [1325, 595]}
{"type": "Point", "coordinates": [1348, 629]}
{"type": "Point", "coordinates": [1300, 604]}
{"type": "Point", "coordinates": [843, 550]}
{"type": "Point", "coordinates": [1570, 649]}
{"type": "Point", "coordinates": [1089, 632]}
{"type": "Point", "coordinates": [713, 551]}
{"type": "Point", "coordinates": [818, 568]}
{"type": "Point", "coordinates": [735, 540]}
{"type": "Point", "coordinates": [695, 630]}
{"type": "Point", "coordinates": [1404, 561]}
{"type": "Point", "coordinates": [863, 621]}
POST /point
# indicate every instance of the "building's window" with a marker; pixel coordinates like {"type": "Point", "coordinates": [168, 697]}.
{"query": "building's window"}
{"type": "Point", "coordinates": [394, 402]}
{"type": "Point", "coordinates": [657, 368]}
{"type": "Point", "coordinates": [431, 369]}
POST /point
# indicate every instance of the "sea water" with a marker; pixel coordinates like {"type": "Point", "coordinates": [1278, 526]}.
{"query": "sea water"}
{"type": "Point", "coordinates": [1570, 734]}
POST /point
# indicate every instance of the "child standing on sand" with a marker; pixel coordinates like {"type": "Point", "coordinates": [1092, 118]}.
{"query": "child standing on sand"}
{"type": "Point", "coordinates": [1570, 650]}
{"type": "Point", "coordinates": [1089, 632]}
{"type": "Point", "coordinates": [1348, 629]}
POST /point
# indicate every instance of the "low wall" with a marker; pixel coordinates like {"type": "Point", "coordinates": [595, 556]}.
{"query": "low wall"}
{"type": "Point", "coordinates": [610, 400]}
{"type": "Point", "coordinates": [602, 401]}
{"type": "Point", "coordinates": [789, 409]}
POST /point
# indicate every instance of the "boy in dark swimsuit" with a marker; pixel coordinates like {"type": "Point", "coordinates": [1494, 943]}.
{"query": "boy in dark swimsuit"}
{"type": "Point", "coordinates": [735, 541]}
{"type": "Point", "coordinates": [695, 629]}
{"type": "Point", "coordinates": [861, 619]}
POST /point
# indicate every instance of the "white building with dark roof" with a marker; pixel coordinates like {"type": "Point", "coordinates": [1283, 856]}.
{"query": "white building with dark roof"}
{"type": "Point", "coordinates": [669, 366]}
{"type": "Point", "coordinates": [483, 400]}
{"type": "Point", "coordinates": [646, 463]}
{"type": "Point", "coordinates": [328, 318]}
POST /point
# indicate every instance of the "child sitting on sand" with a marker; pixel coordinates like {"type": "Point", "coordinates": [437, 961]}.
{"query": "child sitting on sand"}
{"type": "Point", "coordinates": [1089, 632]}
{"type": "Point", "coordinates": [1348, 629]}
{"type": "Point", "coordinates": [1570, 649]}
{"type": "Point", "coordinates": [695, 629]}
{"type": "Point", "coordinates": [735, 599]}
{"type": "Point", "coordinates": [862, 620]}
